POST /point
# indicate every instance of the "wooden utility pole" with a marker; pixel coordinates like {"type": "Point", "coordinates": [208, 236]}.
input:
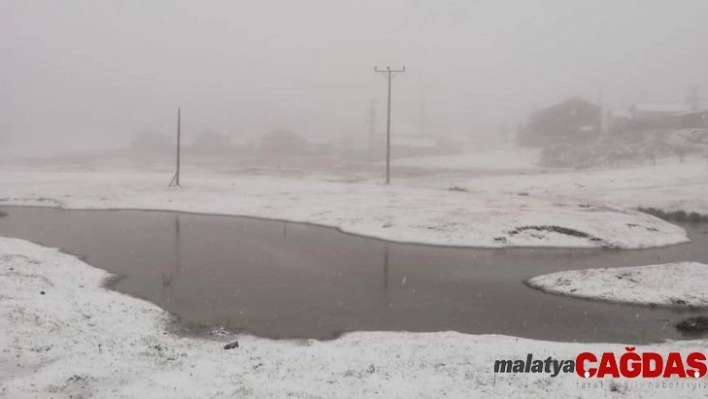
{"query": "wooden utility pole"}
{"type": "Point", "coordinates": [175, 179]}
{"type": "Point", "coordinates": [693, 100]}
{"type": "Point", "coordinates": [389, 75]}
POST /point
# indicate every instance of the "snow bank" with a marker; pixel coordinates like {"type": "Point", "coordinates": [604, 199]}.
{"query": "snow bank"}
{"type": "Point", "coordinates": [669, 185]}
{"type": "Point", "coordinates": [674, 284]}
{"type": "Point", "coordinates": [396, 213]}
{"type": "Point", "coordinates": [65, 336]}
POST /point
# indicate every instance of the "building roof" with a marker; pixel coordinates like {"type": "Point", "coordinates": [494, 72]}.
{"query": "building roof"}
{"type": "Point", "coordinates": [666, 108]}
{"type": "Point", "coordinates": [561, 105]}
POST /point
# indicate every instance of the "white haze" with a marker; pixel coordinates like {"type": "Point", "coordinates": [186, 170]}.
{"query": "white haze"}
{"type": "Point", "coordinates": [94, 73]}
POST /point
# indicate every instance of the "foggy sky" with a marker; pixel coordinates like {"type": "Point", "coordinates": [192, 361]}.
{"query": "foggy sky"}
{"type": "Point", "coordinates": [100, 71]}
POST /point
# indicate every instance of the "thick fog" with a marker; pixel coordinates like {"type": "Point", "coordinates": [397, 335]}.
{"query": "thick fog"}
{"type": "Point", "coordinates": [95, 73]}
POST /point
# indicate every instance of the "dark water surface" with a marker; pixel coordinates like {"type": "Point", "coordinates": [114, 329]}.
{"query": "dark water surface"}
{"type": "Point", "coordinates": [287, 280]}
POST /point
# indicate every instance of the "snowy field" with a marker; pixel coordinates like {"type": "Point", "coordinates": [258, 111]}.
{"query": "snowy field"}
{"type": "Point", "coordinates": [65, 336]}
{"type": "Point", "coordinates": [669, 185]}
{"type": "Point", "coordinates": [493, 217]}
{"type": "Point", "coordinates": [674, 284]}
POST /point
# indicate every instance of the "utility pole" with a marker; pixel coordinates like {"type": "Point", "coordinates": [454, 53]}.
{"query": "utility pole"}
{"type": "Point", "coordinates": [422, 117]}
{"type": "Point", "coordinates": [693, 100]}
{"type": "Point", "coordinates": [175, 179]}
{"type": "Point", "coordinates": [389, 75]}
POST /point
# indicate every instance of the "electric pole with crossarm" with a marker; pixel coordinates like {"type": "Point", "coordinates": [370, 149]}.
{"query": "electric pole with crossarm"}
{"type": "Point", "coordinates": [389, 75]}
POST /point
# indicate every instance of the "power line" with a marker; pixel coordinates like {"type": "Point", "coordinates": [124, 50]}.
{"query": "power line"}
{"type": "Point", "coordinates": [389, 75]}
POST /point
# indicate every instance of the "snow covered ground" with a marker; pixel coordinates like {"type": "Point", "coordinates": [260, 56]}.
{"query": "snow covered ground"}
{"type": "Point", "coordinates": [494, 217]}
{"type": "Point", "coordinates": [674, 284]}
{"type": "Point", "coordinates": [65, 336]}
{"type": "Point", "coordinates": [669, 185]}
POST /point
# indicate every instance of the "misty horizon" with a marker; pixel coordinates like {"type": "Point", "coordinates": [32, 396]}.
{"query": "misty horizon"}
{"type": "Point", "coordinates": [98, 73]}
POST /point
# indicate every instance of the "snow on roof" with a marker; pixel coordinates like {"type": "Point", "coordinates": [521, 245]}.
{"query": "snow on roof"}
{"type": "Point", "coordinates": [665, 108]}
{"type": "Point", "coordinates": [563, 104]}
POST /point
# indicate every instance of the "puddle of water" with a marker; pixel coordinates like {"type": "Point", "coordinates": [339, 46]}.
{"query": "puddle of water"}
{"type": "Point", "coordinates": [287, 280]}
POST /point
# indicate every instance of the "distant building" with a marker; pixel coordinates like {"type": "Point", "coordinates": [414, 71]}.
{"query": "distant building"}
{"type": "Point", "coordinates": [645, 116]}
{"type": "Point", "coordinates": [618, 120]}
{"type": "Point", "coordinates": [403, 145]}
{"type": "Point", "coordinates": [147, 142]}
{"type": "Point", "coordinates": [656, 111]}
{"type": "Point", "coordinates": [209, 142]}
{"type": "Point", "coordinates": [657, 115]}
{"type": "Point", "coordinates": [571, 121]}
{"type": "Point", "coordinates": [283, 142]}
{"type": "Point", "coordinates": [694, 120]}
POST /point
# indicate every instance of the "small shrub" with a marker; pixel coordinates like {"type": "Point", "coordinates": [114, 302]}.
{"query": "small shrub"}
{"type": "Point", "coordinates": [615, 386]}
{"type": "Point", "coordinates": [697, 324]}
{"type": "Point", "coordinates": [679, 216]}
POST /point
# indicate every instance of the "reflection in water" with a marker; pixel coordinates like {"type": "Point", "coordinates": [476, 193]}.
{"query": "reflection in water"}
{"type": "Point", "coordinates": [172, 268]}
{"type": "Point", "coordinates": [387, 299]}
{"type": "Point", "coordinates": [166, 281]}
{"type": "Point", "coordinates": [279, 279]}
